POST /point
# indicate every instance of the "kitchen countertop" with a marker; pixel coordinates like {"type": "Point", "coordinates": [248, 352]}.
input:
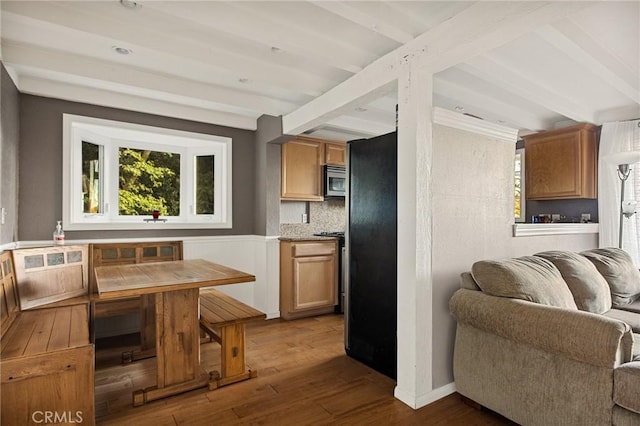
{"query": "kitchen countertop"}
{"type": "Point", "coordinates": [306, 238]}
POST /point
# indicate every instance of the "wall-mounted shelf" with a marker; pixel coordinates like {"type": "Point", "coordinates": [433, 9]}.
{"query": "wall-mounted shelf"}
{"type": "Point", "coordinates": [155, 220]}
{"type": "Point", "coordinates": [537, 229]}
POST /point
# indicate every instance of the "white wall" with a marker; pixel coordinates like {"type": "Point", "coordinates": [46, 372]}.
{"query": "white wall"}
{"type": "Point", "coordinates": [472, 220]}
{"type": "Point", "coordinates": [248, 253]}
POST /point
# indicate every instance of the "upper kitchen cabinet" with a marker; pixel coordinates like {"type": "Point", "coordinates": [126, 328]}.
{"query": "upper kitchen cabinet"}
{"type": "Point", "coordinates": [335, 154]}
{"type": "Point", "coordinates": [562, 163]}
{"type": "Point", "coordinates": [302, 161]}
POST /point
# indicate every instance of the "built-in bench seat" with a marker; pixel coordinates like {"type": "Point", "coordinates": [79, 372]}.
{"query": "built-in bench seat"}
{"type": "Point", "coordinates": [223, 318]}
{"type": "Point", "coordinates": [47, 359]}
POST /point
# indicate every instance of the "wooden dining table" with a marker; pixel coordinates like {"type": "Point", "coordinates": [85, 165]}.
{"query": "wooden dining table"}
{"type": "Point", "coordinates": [173, 288]}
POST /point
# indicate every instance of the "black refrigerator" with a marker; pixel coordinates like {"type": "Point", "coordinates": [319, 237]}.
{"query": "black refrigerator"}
{"type": "Point", "coordinates": [371, 289]}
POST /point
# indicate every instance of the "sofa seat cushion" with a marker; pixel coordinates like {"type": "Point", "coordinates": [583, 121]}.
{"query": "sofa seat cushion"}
{"type": "Point", "coordinates": [616, 266]}
{"type": "Point", "coordinates": [528, 278]}
{"type": "Point", "coordinates": [590, 290]}
{"type": "Point", "coordinates": [626, 386]}
{"type": "Point", "coordinates": [630, 318]}
{"type": "Point", "coordinates": [631, 307]}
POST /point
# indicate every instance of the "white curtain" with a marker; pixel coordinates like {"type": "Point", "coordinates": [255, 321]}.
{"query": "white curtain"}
{"type": "Point", "coordinates": [614, 138]}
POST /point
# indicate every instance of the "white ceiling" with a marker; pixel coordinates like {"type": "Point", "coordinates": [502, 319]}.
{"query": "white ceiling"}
{"type": "Point", "coordinates": [230, 62]}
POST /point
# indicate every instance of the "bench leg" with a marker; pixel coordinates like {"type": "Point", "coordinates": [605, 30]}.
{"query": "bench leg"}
{"type": "Point", "coordinates": [232, 337]}
{"type": "Point", "coordinates": [232, 359]}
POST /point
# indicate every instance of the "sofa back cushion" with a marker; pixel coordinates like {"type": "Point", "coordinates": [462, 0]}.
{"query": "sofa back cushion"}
{"type": "Point", "coordinates": [616, 266]}
{"type": "Point", "coordinates": [528, 278]}
{"type": "Point", "coordinates": [590, 290]}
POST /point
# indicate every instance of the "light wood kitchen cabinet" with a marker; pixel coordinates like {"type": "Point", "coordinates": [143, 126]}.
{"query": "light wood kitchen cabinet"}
{"type": "Point", "coordinates": [335, 154]}
{"type": "Point", "coordinates": [562, 163]}
{"type": "Point", "coordinates": [308, 278]}
{"type": "Point", "coordinates": [301, 177]}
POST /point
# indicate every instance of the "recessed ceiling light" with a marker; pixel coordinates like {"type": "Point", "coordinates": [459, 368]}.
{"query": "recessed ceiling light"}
{"type": "Point", "coordinates": [275, 49]}
{"type": "Point", "coordinates": [122, 50]}
{"type": "Point", "coordinates": [130, 4]}
{"type": "Point", "coordinates": [243, 80]}
{"type": "Point", "coordinates": [459, 108]}
{"type": "Point", "coordinates": [361, 109]}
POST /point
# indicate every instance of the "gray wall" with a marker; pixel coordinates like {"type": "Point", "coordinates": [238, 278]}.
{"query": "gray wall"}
{"type": "Point", "coordinates": [40, 167]}
{"type": "Point", "coordinates": [9, 138]}
{"type": "Point", "coordinates": [472, 220]}
{"type": "Point", "coordinates": [268, 139]}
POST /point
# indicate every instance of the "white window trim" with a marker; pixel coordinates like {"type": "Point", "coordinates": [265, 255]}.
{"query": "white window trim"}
{"type": "Point", "coordinates": [523, 197]}
{"type": "Point", "coordinates": [187, 144]}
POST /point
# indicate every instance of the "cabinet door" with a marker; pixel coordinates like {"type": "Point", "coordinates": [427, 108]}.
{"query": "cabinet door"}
{"type": "Point", "coordinates": [302, 171]}
{"type": "Point", "coordinates": [561, 165]}
{"type": "Point", "coordinates": [335, 154]}
{"type": "Point", "coordinates": [313, 282]}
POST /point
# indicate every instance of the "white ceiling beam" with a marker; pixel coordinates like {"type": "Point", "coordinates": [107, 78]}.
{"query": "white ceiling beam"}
{"type": "Point", "coordinates": [282, 35]}
{"type": "Point", "coordinates": [208, 61]}
{"type": "Point", "coordinates": [369, 84]}
{"type": "Point", "coordinates": [631, 112]}
{"type": "Point", "coordinates": [518, 82]}
{"type": "Point", "coordinates": [108, 98]}
{"type": "Point", "coordinates": [487, 25]}
{"type": "Point", "coordinates": [484, 104]}
{"type": "Point", "coordinates": [121, 74]}
{"type": "Point", "coordinates": [475, 30]}
{"type": "Point", "coordinates": [350, 13]}
{"type": "Point", "coordinates": [579, 46]}
{"type": "Point", "coordinates": [363, 126]}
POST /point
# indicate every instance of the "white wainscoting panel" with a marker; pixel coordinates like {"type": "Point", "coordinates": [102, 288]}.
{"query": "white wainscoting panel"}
{"type": "Point", "coordinates": [254, 254]}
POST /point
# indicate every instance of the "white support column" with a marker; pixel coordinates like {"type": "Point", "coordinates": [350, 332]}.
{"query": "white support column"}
{"type": "Point", "coordinates": [415, 86]}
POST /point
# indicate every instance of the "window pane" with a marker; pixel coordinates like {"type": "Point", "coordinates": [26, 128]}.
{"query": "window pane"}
{"type": "Point", "coordinates": [518, 186]}
{"type": "Point", "coordinates": [149, 180]}
{"type": "Point", "coordinates": [204, 184]}
{"type": "Point", "coordinates": [91, 196]}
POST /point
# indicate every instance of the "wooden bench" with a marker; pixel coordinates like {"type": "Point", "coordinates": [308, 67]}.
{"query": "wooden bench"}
{"type": "Point", "coordinates": [47, 360]}
{"type": "Point", "coordinates": [223, 318]}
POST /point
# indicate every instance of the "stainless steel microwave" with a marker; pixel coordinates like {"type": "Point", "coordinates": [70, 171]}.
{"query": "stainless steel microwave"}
{"type": "Point", "coordinates": [335, 181]}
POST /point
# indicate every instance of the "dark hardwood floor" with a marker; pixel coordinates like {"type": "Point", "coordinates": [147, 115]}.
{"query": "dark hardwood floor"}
{"type": "Point", "coordinates": [304, 378]}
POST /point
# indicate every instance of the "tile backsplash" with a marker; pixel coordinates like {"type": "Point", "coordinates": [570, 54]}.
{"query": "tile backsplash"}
{"type": "Point", "coordinates": [323, 216]}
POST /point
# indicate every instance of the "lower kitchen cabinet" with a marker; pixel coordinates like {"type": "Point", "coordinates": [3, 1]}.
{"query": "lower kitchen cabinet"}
{"type": "Point", "coordinates": [308, 278]}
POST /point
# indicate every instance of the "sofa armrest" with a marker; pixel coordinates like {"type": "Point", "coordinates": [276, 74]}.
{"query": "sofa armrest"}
{"type": "Point", "coordinates": [578, 335]}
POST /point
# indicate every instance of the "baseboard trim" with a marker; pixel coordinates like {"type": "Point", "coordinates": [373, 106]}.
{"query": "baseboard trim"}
{"type": "Point", "coordinates": [419, 401]}
{"type": "Point", "coordinates": [273, 315]}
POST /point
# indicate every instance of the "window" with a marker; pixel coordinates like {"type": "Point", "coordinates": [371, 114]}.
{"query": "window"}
{"type": "Point", "coordinates": [115, 175]}
{"type": "Point", "coordinates": [519, 207]}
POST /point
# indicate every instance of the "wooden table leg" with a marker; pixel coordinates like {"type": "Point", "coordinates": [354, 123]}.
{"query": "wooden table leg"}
{"type": "Point", "coordinates": [147, 322]}
{"type": "Point", "coordinates": [177, 346]}
{"type": "Point", "coordinates": [147, 331]}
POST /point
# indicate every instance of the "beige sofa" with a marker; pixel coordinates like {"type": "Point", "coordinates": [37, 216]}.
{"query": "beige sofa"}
{"type": "Point", "coordinates": [549, 339]}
